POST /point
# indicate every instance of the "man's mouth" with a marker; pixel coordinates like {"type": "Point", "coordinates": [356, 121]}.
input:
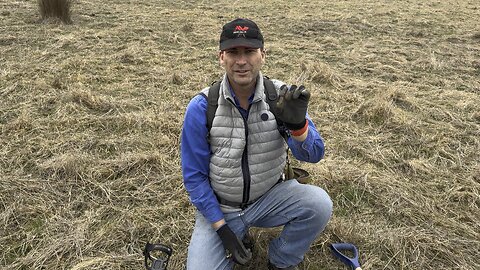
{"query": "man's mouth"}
{"type": "Point", "coordinates": [241, 71]}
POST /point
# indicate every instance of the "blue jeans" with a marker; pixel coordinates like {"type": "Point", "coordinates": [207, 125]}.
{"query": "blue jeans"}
{"type": "Point", "coordinates": [304, 210]}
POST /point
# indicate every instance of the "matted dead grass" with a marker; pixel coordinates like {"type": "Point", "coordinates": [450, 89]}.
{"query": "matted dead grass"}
{"type": "Point", "coordinates": [90, 117]}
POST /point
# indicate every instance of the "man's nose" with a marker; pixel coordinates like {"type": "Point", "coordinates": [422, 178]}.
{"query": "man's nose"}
{"type": "Point", "coordinates": [242, 59]}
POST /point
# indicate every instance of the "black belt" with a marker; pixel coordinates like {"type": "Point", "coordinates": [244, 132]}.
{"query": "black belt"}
{"type": "Point", "coordinates": [241, 205]}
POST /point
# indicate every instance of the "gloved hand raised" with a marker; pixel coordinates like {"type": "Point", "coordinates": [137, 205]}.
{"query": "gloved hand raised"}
{"type": "Point", "coordinates": [230, 241]}
{"type": "Point", "coordinates": [291, 106]}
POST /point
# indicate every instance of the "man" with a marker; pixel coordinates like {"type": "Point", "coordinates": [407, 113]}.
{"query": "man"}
{"type": "Point", "coordinates": [233, 172]}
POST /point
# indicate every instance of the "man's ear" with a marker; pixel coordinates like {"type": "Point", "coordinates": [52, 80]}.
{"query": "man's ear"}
{"type": "Point", "coordinates": [220, 58]}
{"type": "Point", "coordinates": [264, 55]}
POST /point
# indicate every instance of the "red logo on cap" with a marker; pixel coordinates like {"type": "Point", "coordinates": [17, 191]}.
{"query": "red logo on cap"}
{"type": "Point", "coordinates": [240, 28]}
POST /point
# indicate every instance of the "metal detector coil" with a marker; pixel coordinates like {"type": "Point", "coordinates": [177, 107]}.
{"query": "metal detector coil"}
{"type": "Point", "coordinates": [153, 263]}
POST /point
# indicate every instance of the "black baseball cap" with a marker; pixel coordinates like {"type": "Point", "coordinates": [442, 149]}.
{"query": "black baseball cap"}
{"type": "Point", "coordinates": [240, 33]}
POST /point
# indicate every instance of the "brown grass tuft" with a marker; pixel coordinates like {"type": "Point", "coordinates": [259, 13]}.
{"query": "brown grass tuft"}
{"type": "Point", "coordinates": [476, 35]}
{"type": "Point", "coordinates": [89, 100]}
{"type": "Point", "coordinates": [56, 9]}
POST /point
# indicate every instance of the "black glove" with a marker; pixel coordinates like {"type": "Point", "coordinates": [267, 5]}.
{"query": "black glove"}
{"type": "Point", "coordinates": [230, 241]}
{"type": "Point", "coordinates": [291, 106]}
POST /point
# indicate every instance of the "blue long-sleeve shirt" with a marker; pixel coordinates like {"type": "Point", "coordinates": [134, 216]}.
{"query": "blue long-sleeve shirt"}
{"type": "Point", "coordinates": [195, 155]}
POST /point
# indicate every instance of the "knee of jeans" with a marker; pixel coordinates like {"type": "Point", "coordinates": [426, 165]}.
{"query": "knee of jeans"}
{"type": "Point", "coordinates": [319, 202]}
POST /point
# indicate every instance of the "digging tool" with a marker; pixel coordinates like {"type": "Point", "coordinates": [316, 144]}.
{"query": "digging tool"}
{"type": "Point", "coordinates": [352, 262]}
{"type": "Point", "coordinates": [153, 263]}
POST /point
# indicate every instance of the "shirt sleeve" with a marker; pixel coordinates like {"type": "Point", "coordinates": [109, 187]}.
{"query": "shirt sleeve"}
{"type": "Point", "coordinates": [312, 149]}
{"type": "Point", "coordinates": [195, 159]}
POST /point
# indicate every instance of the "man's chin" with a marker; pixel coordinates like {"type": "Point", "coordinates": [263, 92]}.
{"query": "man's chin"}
{"type": "Point", "coordinates": [241, 82]}
{"type": "Point", "coordinates": [244, 80]}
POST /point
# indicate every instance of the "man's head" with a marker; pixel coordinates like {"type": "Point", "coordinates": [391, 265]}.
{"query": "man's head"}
{"type": "Point", "coordinates": [241, 33]}
{"type": "Point", "coordinates": [241, 52]}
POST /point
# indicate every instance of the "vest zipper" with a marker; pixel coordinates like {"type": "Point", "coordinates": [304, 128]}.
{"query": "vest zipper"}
{"type": "Point", "coordinates": [245, 167]}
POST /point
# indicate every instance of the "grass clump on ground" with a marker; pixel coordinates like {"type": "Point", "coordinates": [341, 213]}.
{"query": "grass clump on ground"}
{"type": "Point", "coordinates": [59, 9]}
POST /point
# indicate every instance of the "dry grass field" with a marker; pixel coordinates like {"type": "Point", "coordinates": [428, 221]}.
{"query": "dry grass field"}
{"type": "Point", "coordinates": [91, 112]}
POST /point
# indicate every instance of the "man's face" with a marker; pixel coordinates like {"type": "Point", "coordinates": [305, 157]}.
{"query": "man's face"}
{"type": "Point", "coordinates": [242, 65]}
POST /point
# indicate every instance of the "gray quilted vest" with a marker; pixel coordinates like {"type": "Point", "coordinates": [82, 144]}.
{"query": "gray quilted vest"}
{"type": "Point", "coordinates": [248, 156]}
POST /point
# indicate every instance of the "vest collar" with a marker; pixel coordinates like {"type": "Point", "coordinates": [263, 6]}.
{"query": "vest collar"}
{"type": "Point", "coordinates": [259, 93]}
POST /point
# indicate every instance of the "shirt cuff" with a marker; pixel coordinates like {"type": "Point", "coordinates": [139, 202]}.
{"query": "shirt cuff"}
{"type": "Point", "coordinates": [307, 144]}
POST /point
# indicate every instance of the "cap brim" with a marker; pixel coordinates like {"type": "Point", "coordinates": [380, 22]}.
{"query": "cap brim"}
{"type": "Point", "coordinates": [240, 42]}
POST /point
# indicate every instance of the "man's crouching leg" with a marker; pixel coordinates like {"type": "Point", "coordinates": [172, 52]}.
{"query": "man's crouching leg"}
{"type": "Point", "coordinates": [206, 251]}
{"type": "Point", "coordinates": [304, 210]}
